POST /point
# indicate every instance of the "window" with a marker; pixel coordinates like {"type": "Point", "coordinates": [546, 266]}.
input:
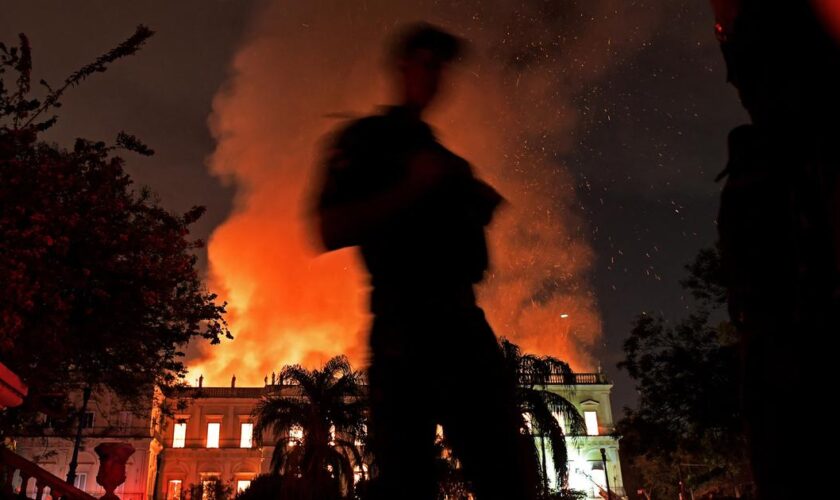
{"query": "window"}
{"type": "Point", "coordinates": [591, 419]}
{"type": "Point", "coordinates": [87, 420]}
{"type": "Point", "coordinates": [242, 484]}
{"type": "Point", "coordinates": [211, 486]}
{"type": "Point", "coordinates": [179, 437]}
{"type": "Point", "coordinates": [207, 487]}
{"type": "Point", "coordinates": [295, 435]}
{"type": "Point", "coordinates": [213, 434]}
{"type": "Point", "coordinates": [80, 481]}
{"type": "Point", "coordinates": [600, 480]}
{"type": "Point", "coordinates": [173, 490]}
{"type": "Point", "coordinates": [296, 432]}
{"type": "Point", "coordinates": [360, 473]}
{"type": "Point", "coordinates": [125, 420]}
{"type": "Point", "coordinates": [360, 438]}
{"type": "Point", "coordinates": [246, 437]}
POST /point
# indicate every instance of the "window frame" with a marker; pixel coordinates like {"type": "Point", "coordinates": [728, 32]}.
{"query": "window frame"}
{"type": "Point", "coordinates": [589, 424]}
{"type": "Point", "coordinates": [168, 494]}
{"type": "Point", "coordinates": [80, 481]}
{"type": "Point", "coordinates": [183, 441]}
{"type": "Point", "coordinates": [218, 436]}
{"type": "Point", "coordinates": [242, 425]}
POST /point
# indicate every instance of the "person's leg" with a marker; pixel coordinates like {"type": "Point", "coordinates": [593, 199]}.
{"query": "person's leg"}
{"type": "Point", "coordinates": [482, 421]}
{"type": "Point", "coordinates": [779, 364]}
{"type": "Point", "coordinates": [401, 427]}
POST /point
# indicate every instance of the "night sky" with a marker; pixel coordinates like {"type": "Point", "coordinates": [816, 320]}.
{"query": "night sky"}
{"type": "Point", "coordinates": [648, 140]}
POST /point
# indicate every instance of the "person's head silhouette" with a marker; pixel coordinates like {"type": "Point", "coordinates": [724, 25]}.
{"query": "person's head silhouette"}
{"type": "Point", "coordinates": [419, 56]}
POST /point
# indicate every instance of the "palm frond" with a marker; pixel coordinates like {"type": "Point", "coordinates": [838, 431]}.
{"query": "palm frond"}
{"type": "Point", "coordinates": [277, 415]}
{"type": "Point", "coordinates": [547, 427]}
{"type": "Point", "coordinates": [534, 374]}
{"type": "Point", "coordinates": [286, 460]}
{"type": "Point", "coordinates": [350, 448]}
{"type": "Point", "coordinates": [318, 400]}
{"type": "Point", "coordinates": [337, 365]}
{"type": "Point", "coordinates": [575, 422]}
{"type": "Point", "coordinates": [342, 469]}
{"type": "Point", "coordinates": [297, 375]}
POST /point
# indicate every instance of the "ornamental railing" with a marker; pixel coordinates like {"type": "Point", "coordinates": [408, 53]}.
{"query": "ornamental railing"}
{"type": "Point", "coordinates": [17, 474]}
{"type": "Point", "coordinates": [559, 378]}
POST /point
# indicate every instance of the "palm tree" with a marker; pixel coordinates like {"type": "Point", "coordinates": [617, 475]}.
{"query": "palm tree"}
{"type": "Point", "coordinates": [327, 405]}
{"type": "Point", "coordinates": [542, 408]}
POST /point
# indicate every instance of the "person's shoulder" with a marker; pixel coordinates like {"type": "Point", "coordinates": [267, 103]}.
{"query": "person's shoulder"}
{"type": "Point", "coordinates": [359, 130]}
{"type": "Point", "coordinates": [348, 144]}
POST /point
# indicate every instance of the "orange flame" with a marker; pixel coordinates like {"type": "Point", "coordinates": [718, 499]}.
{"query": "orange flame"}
{"type": "Point", "coordinates": [290, 305]}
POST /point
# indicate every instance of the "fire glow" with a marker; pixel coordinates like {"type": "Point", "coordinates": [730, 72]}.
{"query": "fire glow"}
{"type": "Point", "coordinates": [302, 63]}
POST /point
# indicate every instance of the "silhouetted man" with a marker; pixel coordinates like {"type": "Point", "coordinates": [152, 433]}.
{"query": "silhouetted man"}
{"type": "Point", "coordinates": [418, 214]}
{"type": "Point", "coordinates": [779, 226]}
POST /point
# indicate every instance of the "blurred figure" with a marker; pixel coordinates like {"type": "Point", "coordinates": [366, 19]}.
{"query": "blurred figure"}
{"type": "Point", "coordinates": [418, 214]}
{"type": "Point", "coordinates": [779, 227]}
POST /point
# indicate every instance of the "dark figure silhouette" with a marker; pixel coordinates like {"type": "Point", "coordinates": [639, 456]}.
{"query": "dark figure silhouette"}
{"type": "Point", "coordinates": [418, 214]}
{"type": "Point", "coordinates": [779, 233]}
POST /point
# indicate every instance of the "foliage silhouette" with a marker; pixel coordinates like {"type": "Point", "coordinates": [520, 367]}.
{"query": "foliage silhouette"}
{"type": "Point", "coordinates": [687, 379]}
{"type": "Point", "coordinates": [328, 406]}
{"type": "Point", "coordinates": [100, 289]}
{"type": "Point", "coordinates": [542, 407]}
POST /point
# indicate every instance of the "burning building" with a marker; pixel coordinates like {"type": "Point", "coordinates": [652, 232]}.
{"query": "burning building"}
{"type": "Point", "coordinates": [510, 111]}
{"type": "Point", "coordinates": [212, 438]}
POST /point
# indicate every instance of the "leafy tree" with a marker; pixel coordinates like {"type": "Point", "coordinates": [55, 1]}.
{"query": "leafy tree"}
{"type": "Point", "coordinates": [541, 406]}
{"type": "Point", "coordinates": [328, 406]}
{"type": "Point", "coordinates": [687, 427]}
{"type": "Point", "coordinates": [100, 287]}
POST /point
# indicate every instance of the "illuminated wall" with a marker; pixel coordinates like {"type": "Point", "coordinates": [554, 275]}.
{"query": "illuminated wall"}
{"type": "Point", "coordinates": [230, 407]}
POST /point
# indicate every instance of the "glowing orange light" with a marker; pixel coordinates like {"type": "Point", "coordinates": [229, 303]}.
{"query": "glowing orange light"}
{"type": "Point", "coordinates": [290, 305]}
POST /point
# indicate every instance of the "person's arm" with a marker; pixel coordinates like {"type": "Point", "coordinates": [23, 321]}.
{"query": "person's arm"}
{"type": "Point", "coordinates": [348, 224]}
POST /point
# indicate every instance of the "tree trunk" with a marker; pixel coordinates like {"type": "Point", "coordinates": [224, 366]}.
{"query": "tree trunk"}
{"type": "Point", "coordinates": [71, 473]}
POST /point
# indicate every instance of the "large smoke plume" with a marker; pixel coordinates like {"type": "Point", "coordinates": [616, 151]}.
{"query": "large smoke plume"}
{"type": "Point", "coordinates": [511, 112]}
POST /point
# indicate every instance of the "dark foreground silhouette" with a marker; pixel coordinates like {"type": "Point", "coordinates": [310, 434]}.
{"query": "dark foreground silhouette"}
{"type": "Point", "coordinates": [778, 224]}
{"type": "Point", "coordinates": [418, 214]}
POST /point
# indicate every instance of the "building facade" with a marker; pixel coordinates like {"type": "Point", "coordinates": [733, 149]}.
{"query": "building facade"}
{"type": "Point", "coordinates": [212, 439]}
{"type": "Point", "coordinates": [207, 434]}
{"type": "Point", "coordinates": [107, 419]}
{"type": "Point", "coordinates": [589, 469]}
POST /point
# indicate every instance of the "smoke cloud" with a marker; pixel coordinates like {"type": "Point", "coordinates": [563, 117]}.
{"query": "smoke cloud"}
{"type": "Point", "coordinates": [513, 110]}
